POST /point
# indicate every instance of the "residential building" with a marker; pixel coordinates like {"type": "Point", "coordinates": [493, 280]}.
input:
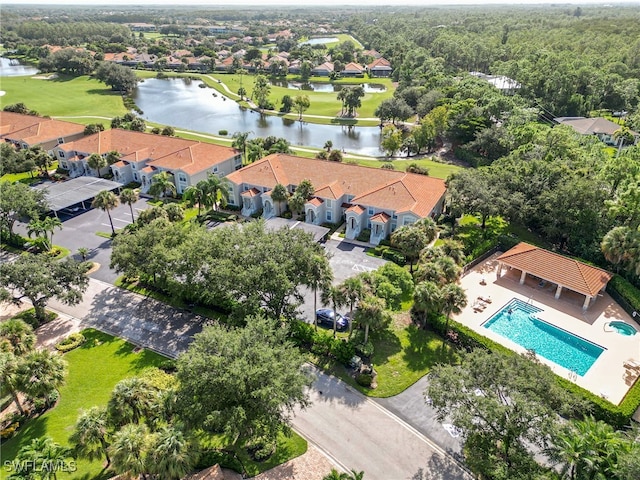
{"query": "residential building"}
{"type": "Point", "coordinates": [600, 127]}
{"type": "Point", "coordinates": [143, 155]}
{"type": "Point", "coordinates": [380, 67]}
{"type": "Point", "coordinates": [506, 85]}
{"type": "Point", "coordinates": [26, 131]}
{"type": "Point", "coordinates": [323, 70]}
{"type": "Point", "coordinates": [366, 198]}
{"type": "Point", "coordinates": [352, 69]}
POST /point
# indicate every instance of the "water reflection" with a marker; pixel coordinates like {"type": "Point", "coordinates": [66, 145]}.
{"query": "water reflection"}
{"type": "Point", "coordinates": [12, 68]}
{"type": "Point", "coordinates": [183, 104]}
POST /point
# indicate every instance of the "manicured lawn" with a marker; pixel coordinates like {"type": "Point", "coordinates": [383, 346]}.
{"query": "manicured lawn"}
{"type": "Point", "coordinates": [436, 169]}
{"type": "Point", "coordinates": [63, 96]}
{"type": "Point", "coordinates": [25, 177]}
{"type": "Point", "coordinates": [402, 355]}
{"type": "Point", "coordinates": [94, 369]}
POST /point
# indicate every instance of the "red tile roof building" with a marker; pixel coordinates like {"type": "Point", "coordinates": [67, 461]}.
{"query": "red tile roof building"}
{"type": "Point", "coordinates": [563, 271]}
{"type": "Point", "coordinates": [362, 195]}
{"type": "Point", "coordinates": [26, 131]}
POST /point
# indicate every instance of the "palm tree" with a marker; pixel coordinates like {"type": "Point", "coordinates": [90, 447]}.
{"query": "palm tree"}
{"type": "Point", "coordinates": [218, 189]}
{"type": "Point", "coordinates": [196, 195]}
{"type": "Point", "coordinates": [352, 291]}
{"type": "Point", "coordinates": [89, 437]}
{"type": "Point", "coordinates": [106, 201]}
{"type": "Point", "coordinates": [97, 162]}
{"type": "Point", "coordinates": [320, 277]}
{"type": "Point", "coordinates": [129, 196]}
{"type": "Point", "coordinates": [334, 475]}
{"type": "Point", "coordinates": [442, 270]}
{"type": "Point", "coordinates": [113, 157]}
{"type": "Point", "coordinates": [131, 400]}
{"type": "Point", "coordinates": [622, 135]}
{"type": "Point", "coordinates": [49, 225]}
{"type": "Point", "coordinates": [8, 370]}
{"type": "Point", "coordinates": [43, 458]}
{"type": "Point", "coordinates": [129, 450]}
{"type": "Point", "coordinates": [40, 373]}
{"type": "Point", "coordinates": [427, 297]}
{"type": "Point", "coordinates": [332, 294]}
{"type": "Point", "coordinates": [83, 252]}
{"type": "Point", "coordinates": [454, 299]}
{"type": "Point", "coordinates": [36, 228]}
{"type": "Point", "coordinates": [328, 145]}
{"type": "Point", "coordinates": [452, 248]}
{"type": "Point", "coordinates": [240, 138]}
{"type": "Point", "coordinates": [370, 313]}
{"type": "Point", "coordinates": [19, 335]}
{"type": "Point", "coordinates": [161, 183]}
{"type": "Point", "coordinates": [353, 475]}
{"type": "Point", "coordinates": [173, 454]}
{"type": "Point", "coordinates": [615, 245]}
{"type": "Point", "coordinates": [279, 194]}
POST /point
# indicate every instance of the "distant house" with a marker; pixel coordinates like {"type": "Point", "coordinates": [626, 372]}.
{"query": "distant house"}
{"type": "Point", "coordinates": [323, 70]}
{"type": "Point", "coordinates": [352, 70]}
{"type": "Point", "coordinates": [600, 127]}
{"type": "Point", "coordinates": [367, 198]}
{"type": "Point", "coordinates": [380, 67]}
{"type": "Point", "coordinates": [142, 27]}
{"type": "Point", "coordinates": [26, 131]}
{"type": "Point", "coordinates": [143, 155]}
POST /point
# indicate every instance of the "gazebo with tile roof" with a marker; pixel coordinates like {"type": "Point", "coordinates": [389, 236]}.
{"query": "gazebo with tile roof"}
{"type": "Point", "coordinates": [563, 271]}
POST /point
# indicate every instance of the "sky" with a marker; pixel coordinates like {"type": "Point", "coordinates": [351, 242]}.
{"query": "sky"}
{"type": "Point", "coordinates": [299, 3]}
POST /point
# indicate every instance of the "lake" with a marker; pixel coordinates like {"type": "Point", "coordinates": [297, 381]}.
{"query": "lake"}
{"type": "Point", "coordinates": [181, 103]}
{"type": "Point", "coordinates": [11, 68]}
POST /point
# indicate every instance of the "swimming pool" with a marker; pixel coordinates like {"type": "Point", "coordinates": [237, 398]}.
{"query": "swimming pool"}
{"type": "Point", "coordinates": [517, 322]}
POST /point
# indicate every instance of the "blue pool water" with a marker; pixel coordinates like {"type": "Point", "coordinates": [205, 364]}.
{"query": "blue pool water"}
{"type": "Point", "coordinates": [553, 343]}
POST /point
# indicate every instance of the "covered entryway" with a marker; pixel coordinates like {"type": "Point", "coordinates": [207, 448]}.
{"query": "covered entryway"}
{"type": "Point", "coordinates": [562, 271]}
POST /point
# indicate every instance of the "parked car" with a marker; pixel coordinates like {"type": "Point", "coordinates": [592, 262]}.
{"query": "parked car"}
{"type": "Point", "coordinates": [325, 316]}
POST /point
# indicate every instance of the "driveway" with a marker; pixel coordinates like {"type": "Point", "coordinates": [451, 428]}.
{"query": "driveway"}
{"type": "Point", "coordinates": [79, 231]}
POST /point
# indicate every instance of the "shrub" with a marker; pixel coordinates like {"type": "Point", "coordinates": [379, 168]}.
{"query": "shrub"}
{"type": "Point", "coordinates": [223, 133]}
{"type": "Point", "coordinates": [364, 379]}
{"type": "Point", "coordinates": [364, 235]}
{"type": "Point", "coordinates": [342, 351]}
{"type": "Point", "coordinates": [168, 366]}
{"type": "Point", "coordinates": [9, 431]}
{"type": "Point", "coordinates": [29, 316]}
{"type": "Point", "coordinates": [261, 449]}
{"type": "Point", "coordinates": [625, 290]}
{"type": "Point", "coordinates": [365, 349]}
{"type": "Point", "coordinates": [395, 256]}
{"type": "Point", "coordinates": [287, 214]}
{"type": "Point", "coordinates": [257, 214]}
{"type": "Point", "coordinates": [72, 341]}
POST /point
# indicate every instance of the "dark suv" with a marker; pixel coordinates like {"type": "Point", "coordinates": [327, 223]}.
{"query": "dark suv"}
{"type": "Point", "coordinates": [324, 316]}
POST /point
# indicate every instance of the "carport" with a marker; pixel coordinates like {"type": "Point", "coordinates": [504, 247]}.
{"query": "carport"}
{"type": "Point", "coordinates": [319, 233]}
{"type": "Point", "coordinates": [77, 191]}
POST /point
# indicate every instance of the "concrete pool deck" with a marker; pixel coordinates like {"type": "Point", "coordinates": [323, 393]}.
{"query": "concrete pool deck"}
{"type": "Point", "coordinates": [608, 377]}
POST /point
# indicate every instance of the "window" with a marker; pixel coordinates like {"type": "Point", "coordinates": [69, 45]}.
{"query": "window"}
{"type": "Point", "coordinates": [408, 220]}
{"type": "Point", "coordinates": [61, 140]}
{"type": "Point", "coordinates": [369, 225]}
{"type": "Point", "coordinates": [182, 178]}
{"type": "Point", "coordinates": [133, 165]}
{"type": "Point", "coordinates": [60, 153]}
{"type": "Point", "coordinates": [215, 169]}
{"type": "Point", "coordinates": [135, 177]}
{"type": "Point", "coordinates": [329, 203]}
{"type": "Point", "coordinates": [329, 216]}
{"type": "Point", "coordinates": [370, 210]}
{"type": "Point", "coordinates": [394, 216]}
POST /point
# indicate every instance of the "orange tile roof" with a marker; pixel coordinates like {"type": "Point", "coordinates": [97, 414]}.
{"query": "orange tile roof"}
{"type": "Point", "coordinates": [561, 270]}
{"type": "Point", "coordinates": [381, 217]}
{"type": "Point", "coordinates": [316, 202]}
{"type": "Point", "coordinates": [379, 62]}
{"type": "Point", "coordinates": [195, 158]}
{"type": "Point", "coordinates": [352, 66]}
{"type": "Point", "coordinates": [34, 130]}
{"type": "Point", "coordinates": [170, 153]}
{"type": "Point", "coordinates": [148, 169]}
{"type": "Point", "coordinates": [11, 122]}
{"type": "Point", "coordinates": [357, 209]}
{"type": "Point", "coordinates": [385, 189]}
{"type": "Point", "coordinates": [120, 164]}
{"type": "Point", "coordinates": [252, 192]}
{"type": "Point", "coordinates": [332, 191]}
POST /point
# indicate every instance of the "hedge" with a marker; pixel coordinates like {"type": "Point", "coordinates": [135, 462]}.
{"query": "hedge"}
{"type": "Point", "coordinates": [615, 415]}
{"type": "Point", "coordinates": [72, 341]}
{"type": "Point", "coordinates": [626, 290]}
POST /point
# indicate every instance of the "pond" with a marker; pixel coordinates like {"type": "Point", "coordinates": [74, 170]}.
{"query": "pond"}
{"type": "Point", "coordinates": [320, 41]}
{"type": "Point", "coordinates": [328, 87]}
{"type": "Point", "coordinates": [181, 103]}
{"type": "Point", "coordinates": [12, 68]}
